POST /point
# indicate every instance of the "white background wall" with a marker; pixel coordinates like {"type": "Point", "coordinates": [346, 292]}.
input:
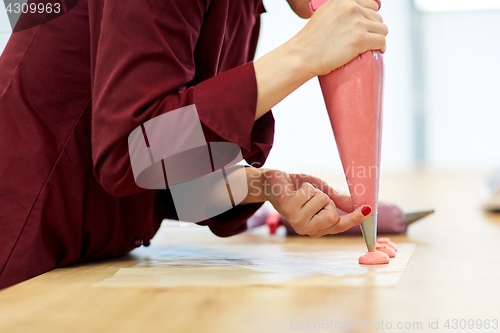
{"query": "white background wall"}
{"type": "Point", "coordinates": [461, 79]}
{"type": "Point", "coordinates": [462, 89]}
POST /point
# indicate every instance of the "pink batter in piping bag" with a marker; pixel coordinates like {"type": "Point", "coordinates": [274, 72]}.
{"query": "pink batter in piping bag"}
{"type": "Point", "coordinates": [353, 98]}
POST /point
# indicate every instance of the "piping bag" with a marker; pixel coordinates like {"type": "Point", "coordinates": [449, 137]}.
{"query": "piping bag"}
{"type": "Point", "coordinates": [353, 98]}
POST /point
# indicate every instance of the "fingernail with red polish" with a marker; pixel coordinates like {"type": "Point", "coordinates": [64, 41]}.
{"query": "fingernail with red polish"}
{"type": "Point", "coordinates": [366, 210]}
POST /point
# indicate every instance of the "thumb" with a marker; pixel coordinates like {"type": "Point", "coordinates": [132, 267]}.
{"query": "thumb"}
{"type": "Point", "coordinates": [348, 221]}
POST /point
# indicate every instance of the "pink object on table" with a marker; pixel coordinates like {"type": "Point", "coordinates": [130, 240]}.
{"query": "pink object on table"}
{"type": "Point", "coordinates": [374, 258]}
{"type": "Point", "coordinates": [273, 221]}
{"type": "Point", "coordinates": [385, 249]}
{"type": "Point", "coordinates": [385, 240]}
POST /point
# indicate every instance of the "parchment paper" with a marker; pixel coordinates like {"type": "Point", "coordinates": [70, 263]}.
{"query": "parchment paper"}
{"type": "Point", "coordinates": [276, 265]}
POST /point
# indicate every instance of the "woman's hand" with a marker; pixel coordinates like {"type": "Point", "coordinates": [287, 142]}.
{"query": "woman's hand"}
{"type": "Point", "coordinates": [306, 202]}
{"type": "Point", "coordinates": [338, 31]}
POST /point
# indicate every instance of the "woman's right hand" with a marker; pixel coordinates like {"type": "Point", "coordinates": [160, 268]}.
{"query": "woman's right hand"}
{"type": "Point", "coordinates": [337, 32]}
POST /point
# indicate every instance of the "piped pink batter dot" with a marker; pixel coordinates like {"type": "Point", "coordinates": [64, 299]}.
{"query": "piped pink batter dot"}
{"type": "Point", "coordinates": [385, 240]}
{"type": "Point", "coordinates": [386, 249]}
{"type": "Point", "coordinates": [374, 258]}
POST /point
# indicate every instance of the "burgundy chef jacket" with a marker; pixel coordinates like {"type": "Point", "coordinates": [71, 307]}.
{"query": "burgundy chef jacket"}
{"type": "Point", "coordinates": [72, 90]}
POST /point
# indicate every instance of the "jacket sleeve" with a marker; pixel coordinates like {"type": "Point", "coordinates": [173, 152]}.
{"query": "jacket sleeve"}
{"type": "Point", "coordinates": [143, 66]}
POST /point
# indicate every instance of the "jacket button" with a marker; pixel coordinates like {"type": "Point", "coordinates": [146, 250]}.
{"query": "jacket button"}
{"type": "Point", "coordinates": [137, 242]}
{"type": "Point", "coordinates": [146, 243]}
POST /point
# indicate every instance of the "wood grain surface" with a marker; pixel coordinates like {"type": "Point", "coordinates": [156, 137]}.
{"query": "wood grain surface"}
{"type": "Point", "coordinates": [453, 273]}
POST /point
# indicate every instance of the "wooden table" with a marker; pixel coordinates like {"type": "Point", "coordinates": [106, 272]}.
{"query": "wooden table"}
{"type": "Point", "coordinates": [454, 273]}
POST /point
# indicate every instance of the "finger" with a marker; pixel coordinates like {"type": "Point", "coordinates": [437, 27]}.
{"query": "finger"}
{"type": "Point", "coordinates": [325, 219]}
{"type": "Point", "coordinates": [372, 15]}
{"type": "Point", "coordinates": [313, 206]}
{"type": "Point", "coordinates": [342, 201]}
{"type": "Point", "coordinates": [347, 221]}
{"type": "Point", "coordinates": [373, 5]}
{"type": "Point", "coordinates": [375, 42]}
{"type": "Point", "coordinates": [295, 203]}
{"type": "Point", "coordinates": [305, 194]}
{"type": "Point", "coordinates": [382, 50]}
{"type": "Point", "coordinates": [377, 28]}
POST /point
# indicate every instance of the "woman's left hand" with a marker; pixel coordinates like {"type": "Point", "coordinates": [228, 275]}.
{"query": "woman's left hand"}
{"type": "Point", "coordinates": [306, 202]}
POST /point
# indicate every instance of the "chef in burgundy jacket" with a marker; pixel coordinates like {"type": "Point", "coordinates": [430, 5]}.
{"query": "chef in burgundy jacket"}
{"type": "Point", "coordinates": [73, 88]}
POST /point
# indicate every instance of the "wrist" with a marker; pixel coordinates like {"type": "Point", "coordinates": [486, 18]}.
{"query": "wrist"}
{"type": "Point", "coordinates": [256, 190]}
{"type": "Point", "coordinates": [299, 60]}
